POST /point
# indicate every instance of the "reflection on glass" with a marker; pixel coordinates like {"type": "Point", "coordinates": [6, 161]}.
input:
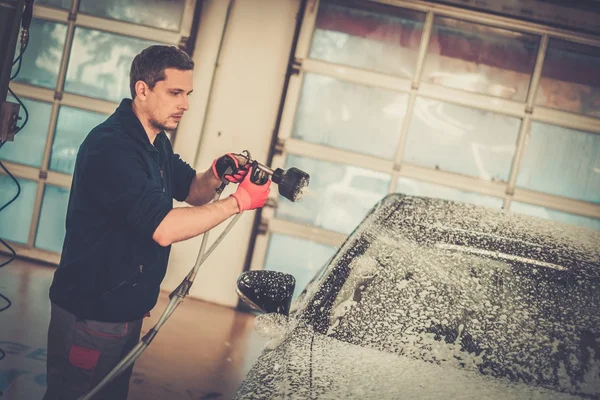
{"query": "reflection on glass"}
{"type": "Point", "coordinates": [570, 78]}
{"type": "Point", "coordinates": [338, 197]}
{"type": "Point", "coordinates": [72, 127]}
{"type": "Point", "coordinates": [461, 140]}
{"type": "Point", "coordinates": [15, 219]}
{"type": "Point", "coordinates": [298, 257]}
{"type": "Point", "coordinates": [99, 64]}
{"type": "Point", "coordinates": [561, 161]}
{"type": "Point", "coordinates": [51, 228]}
{"type": "Point", "coordinates": [41, 60]}
{"type": "Point", "coordinates": [165, 14]}
{"type": "Point", "coordinates": [417, 188]}
{"type": "Point", "coordinates": [350, 116]}
{"type": "Point", "coordinates": [383, 39]}
{"type": "Point", "coordinates": [65, 4]}
{"type": "Point", "coordinates": [481, 59]}
{"type": "Point", "coordinates": [29, 144]}
{"type": "Point", "coordinates": [547, 213]}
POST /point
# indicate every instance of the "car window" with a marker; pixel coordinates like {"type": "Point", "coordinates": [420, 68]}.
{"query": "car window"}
{"type": "Point", "coordinates": [310, 288]}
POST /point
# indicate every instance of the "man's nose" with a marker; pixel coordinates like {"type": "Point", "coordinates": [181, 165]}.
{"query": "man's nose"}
{"type": "Point", "coordinates": [184, 105]}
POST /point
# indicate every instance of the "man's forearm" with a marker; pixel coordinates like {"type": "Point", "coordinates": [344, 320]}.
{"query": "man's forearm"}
{"type": "Point", "coordinates": [202, 189]}
{"type": "Point", "coordinates": [187, 222]}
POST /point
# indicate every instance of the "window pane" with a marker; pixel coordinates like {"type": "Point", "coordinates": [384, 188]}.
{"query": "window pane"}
{"type": "Point", "coordinates": [66, 4]}
{"type": "Point", "coordinates": [561, 161]}
{"type": "Point", "coordinates": [383, 39]}
{"type": "Point", "coordinates": [165, 14]}
{"type": "Point", "coordinates": [547, 213]}
{"type": "Point", "coordinates": [41, 61]}
{"type": "Point", "coordinates": [573, 15]}
{"type": "Point", "coordinates": [338, 197]}
{"type": "Point", "coordinates": [417, 188]}
{"type": "Point", "coordinates": [299, 257]}
{"type": "Point", "coordinates": [28, 146]}
{"type": "Point", "coordinates": [51, 228]}
{"type": "Point", "coordinates": [571, 78]}
{"type": "Point", "coordinates": [461, 140]}
{"type": "Point", "coordinates": [481, 59]}
{"type": "Point", "coordinates": [15, 219]}
{"type": "Point", "coordinates": [100, 62]}
{"type": "Point", "coordinates": [349, 116]}
{"type": "Point", "coordinates": [72, 127]}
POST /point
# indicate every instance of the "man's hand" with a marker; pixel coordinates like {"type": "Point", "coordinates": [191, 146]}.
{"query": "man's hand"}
{"type": "Point", "coordinates": [249, 195]}
{"type": "Point", "coordinates": [230, 168]}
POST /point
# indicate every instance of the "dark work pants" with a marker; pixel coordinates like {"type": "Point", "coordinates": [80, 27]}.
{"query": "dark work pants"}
{"type": "Point", "coordinates": [82, 352]}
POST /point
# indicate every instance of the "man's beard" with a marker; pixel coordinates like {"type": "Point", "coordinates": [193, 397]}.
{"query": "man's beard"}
{"type": "Point", "coordinates": [161, 126]}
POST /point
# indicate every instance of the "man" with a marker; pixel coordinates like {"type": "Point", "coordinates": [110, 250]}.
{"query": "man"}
{"type": "Point", "coordinates": [121, 223]}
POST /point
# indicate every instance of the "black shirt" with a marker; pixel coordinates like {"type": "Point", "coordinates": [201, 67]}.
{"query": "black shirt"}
{"type": "Point", "coordinates": [123, 186]}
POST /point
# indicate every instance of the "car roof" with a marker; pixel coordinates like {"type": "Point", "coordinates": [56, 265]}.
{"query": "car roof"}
{"type": "Point", "coordinates": [488, 229]}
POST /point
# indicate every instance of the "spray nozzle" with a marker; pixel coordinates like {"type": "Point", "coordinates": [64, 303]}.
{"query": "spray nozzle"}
{"type": "Point", "coordinates": [291, 182]}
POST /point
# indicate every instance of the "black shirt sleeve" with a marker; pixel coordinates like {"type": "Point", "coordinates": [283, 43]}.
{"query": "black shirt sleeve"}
{"type": "Point", "coordinates": [115, 180]}
{"type": "Point", "coordinates": [183, 174]}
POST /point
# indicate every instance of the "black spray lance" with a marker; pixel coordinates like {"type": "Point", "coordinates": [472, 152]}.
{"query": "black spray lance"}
{"type": "Point", "coordinates": [291, 184]}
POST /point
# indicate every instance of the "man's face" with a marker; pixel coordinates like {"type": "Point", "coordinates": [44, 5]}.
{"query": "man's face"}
{"type": "Point", "coordinates": [168, 100]}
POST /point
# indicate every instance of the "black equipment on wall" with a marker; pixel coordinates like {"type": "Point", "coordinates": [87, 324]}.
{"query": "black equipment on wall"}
{"type": "Point", "coordinates": [14, 14]}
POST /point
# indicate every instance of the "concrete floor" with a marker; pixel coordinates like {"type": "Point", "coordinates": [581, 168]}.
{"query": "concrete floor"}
{"type": "Point", "coordinates": [202, 352]}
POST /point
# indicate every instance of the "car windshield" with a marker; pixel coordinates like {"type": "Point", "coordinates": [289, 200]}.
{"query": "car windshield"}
{"type": "Point", "coordinates": [484, 299]}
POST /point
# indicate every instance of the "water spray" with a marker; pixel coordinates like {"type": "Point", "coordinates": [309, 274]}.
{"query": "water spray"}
{"type": "Point", "coordinates": [291, 183]}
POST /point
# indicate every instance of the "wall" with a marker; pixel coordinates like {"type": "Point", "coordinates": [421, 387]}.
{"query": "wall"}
{"type": "Point", "coordinates": [238, 113]}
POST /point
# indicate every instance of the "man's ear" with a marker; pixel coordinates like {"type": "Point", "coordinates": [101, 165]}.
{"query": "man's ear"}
{"type": "Point", "coordinates": [141, 90]}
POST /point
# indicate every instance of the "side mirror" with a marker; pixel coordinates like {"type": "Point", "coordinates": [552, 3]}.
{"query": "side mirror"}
{"type": "Point", "coordinates": [267, 291]}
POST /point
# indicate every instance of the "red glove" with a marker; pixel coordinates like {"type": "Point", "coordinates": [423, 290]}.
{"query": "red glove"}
{"type": "Point", "coordinates": [227, 168]}
{"type": "Point", "coordinates": [249, 195]}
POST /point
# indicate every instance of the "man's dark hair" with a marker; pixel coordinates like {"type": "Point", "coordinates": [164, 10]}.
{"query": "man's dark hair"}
{"type": "Point", "coordinates": [149, 66]}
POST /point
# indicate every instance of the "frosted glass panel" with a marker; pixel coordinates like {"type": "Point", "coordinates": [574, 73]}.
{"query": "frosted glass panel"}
{"type": "Point", "coordinates": [547, 213]}
{"type": "Point", "coordinates": [571, 78]}
{"type": "Point", "coordinates": [65, 4]}
{"type": "Point", "coordinates": [100, 62]}
{"type": "Point", "coordinates": [298, 257]}
{"type": "Point", "coordinates": [42, 58]}
{"type": "Point", "coordinates": [72, 127]}
{"type": "Point", "coordinates": [561, 161]}
{"type": "Point", "coordinates": [15, 219]}
{"type": "Point", "coordinates": [350, 116]}
{"type": "Point", "coordinates": [51, 228]}
{"type": "Point", "coordinates": [462, 140]}
{"type": "Point", "coordinates": [417, 188]}
{"type": "Point", "coordinates": [382, 39]}
{"type": "Point", "coordinates": [481, 59]}
{"type": "Point", "coordinates": [165, 14]}
{"type": "Point", "coordinates": [339, 196]}
{"type": "Point", "coordinates": [28, 146]}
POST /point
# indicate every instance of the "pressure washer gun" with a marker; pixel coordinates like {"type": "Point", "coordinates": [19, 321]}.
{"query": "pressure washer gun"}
{"type": "Point", "coordinates": [291, 182]}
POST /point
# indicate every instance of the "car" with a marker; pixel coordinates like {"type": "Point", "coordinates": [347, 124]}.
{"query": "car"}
{"type": "Point", "coordinates": [434, 299]}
